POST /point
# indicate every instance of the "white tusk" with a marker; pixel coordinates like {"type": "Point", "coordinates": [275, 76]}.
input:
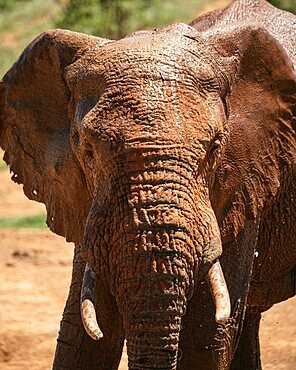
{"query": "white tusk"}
{"type": "Point", "coordinates": [88, 315]}
{"type": "Point", "coordinates": [88, 312]}
{"type": "Point", "coordinates": [219, 292]}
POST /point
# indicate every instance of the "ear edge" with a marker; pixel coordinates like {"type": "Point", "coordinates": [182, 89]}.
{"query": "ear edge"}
{"type": "Point", "coordinates": [2, 102]}
{"type": "Point", "coordinates": [273, 76]}
{"type": "Point", "coordinates": [16, 87]}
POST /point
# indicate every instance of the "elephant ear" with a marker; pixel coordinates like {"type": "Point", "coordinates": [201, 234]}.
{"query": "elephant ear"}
{"type": "Point", "coordinates": [261, 97]}
{"type": "Point", "coordinates": [35, 122]}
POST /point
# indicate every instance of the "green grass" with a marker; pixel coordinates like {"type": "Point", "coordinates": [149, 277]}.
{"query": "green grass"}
{"type": "Point", "coordinates": [21, 222]}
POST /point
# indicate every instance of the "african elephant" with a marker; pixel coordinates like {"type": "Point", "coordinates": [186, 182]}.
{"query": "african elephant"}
{"type": "Point", "coordinates": [169, 159]}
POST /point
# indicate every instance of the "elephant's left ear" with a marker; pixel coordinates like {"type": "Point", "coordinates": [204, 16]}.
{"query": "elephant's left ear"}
{"type": "Point", "coordinates": [35, 129]}
{"type": "Point", "coordinates": [261, 96]}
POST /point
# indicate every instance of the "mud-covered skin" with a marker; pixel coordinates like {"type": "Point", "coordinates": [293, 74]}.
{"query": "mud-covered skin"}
{"type": "Point", "coordinates": [157, 154]}
{"type": "Point", "coordinates": [75, 349]}
{"type": "Point", "coordinates": [273, 276]}
{"type": "Point", "coordinates": [154, 199]}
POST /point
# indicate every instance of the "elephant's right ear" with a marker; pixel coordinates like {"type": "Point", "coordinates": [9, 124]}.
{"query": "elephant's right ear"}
{"type": "Point", "coordinates": [35, 129]}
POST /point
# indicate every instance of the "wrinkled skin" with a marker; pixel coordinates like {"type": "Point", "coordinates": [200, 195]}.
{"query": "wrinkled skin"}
{"type": "Point", "coordinates": [156, 155]}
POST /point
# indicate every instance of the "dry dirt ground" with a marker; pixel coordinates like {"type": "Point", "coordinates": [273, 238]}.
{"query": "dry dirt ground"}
{"type": "Point", "coordinates": [35, 269]}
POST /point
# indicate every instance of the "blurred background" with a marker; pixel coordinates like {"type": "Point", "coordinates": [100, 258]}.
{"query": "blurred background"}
{"type": "Point", "coordinates": [22, 20]}
{"type": "Point", "coordinates": [35, 265]}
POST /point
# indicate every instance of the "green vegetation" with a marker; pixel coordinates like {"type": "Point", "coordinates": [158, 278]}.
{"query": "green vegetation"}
{"type": "Point", "coordinates": [9, 4]}
{"type": "Point", "coordinates": [20, 22]}
{"type": "Point", "coordinates": [289, 5]}
{"type": "Point", "coordinates": [2, 163]}
{"type": "Point", "coordinates": [32, 222]}
{"type": "Point", "coordinates": [116, 18]}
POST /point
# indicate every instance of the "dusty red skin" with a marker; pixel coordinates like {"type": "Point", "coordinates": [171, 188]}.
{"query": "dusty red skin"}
{"type": "Point", "coordinates": [154, 153]}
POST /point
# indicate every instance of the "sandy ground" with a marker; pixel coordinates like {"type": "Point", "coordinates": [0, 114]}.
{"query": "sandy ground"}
{"type": "Point", "coordinates": [35, 269]}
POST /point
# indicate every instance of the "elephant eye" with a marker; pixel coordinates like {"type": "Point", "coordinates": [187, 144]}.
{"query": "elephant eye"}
{"type": "Point", "coordinates": [89, 159]}
{"type": "Point", "coordinates": [89, 155]}
{"type": "Point", "coordinates": [225, 105]}
{"type": "Point", "coordinates": [75, 137]}
{"type": "Point", "coordinates": [214, 147]}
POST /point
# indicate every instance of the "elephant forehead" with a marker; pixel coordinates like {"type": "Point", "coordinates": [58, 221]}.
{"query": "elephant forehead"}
{"type": "Point", "coordinates": [165, 43]}
{"type": "Point", "coordinates": [151, 84]}
{"type": "Point", "coordinates": [154, 58]}
{"type": "Point", "coordinates": [165, 113]}
{"type": "Point", "coordinates": [173, 53]}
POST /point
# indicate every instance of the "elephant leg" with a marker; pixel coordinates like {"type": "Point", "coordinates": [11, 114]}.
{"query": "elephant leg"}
{"type": "Point", "coordinates": [75, 349]}
{"type": "Point", "coordinates": [247, 354]}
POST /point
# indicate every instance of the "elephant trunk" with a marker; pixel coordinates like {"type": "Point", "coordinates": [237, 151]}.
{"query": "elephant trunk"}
{"type": "Point", "coordinates": [153, 301]}
{"type": "Point", "coordinates": [153, 345]}
{"type": "Point", "coordinates": [164, 231]}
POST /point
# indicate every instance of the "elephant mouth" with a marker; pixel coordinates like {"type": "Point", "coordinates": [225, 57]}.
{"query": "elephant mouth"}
{"type": "Point", "coordinates": [217, 286]}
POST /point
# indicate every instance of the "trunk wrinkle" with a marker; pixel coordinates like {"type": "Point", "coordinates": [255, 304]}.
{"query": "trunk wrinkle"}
{"type": "Point", "coordinates": [151, 233]}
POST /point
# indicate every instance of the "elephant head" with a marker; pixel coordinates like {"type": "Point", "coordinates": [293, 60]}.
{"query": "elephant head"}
{"type": "Point", "coordinates": [140, 150]}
